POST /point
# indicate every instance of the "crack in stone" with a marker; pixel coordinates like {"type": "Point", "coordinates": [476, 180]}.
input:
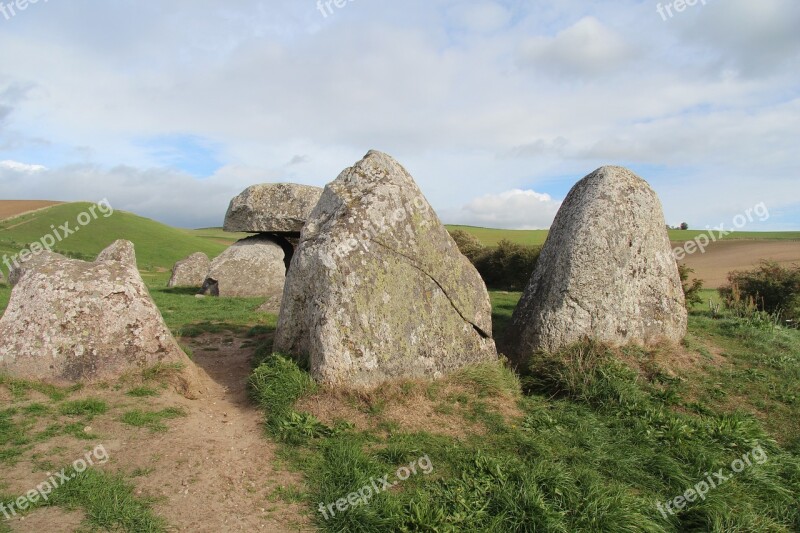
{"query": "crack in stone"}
{"type": "Point", "coordinates": [411, 261]}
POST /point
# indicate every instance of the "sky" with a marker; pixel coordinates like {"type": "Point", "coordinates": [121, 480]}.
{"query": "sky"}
{"type": "Point", "coordinates": [497, 108]}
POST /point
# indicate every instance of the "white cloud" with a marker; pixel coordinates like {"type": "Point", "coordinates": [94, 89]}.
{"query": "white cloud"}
{"type": "Point", "coordinates": [481, 16]}
{"type": "Point", "coordinates": [472, 97]}
{"type": "Point", "coordinates": [515, 209]}
{"type": "Point", "coordinates": [23, 168]}
{"type": "Point", "coordinates": [587, 48]}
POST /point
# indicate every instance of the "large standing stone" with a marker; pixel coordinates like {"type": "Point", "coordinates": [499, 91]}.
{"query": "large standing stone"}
{"type": "Point", "coordinates": [378, 289]}
{"type": "Point", "coordinates": [606, 271]}
{"type": "Point", "coordinates": [191, 271]}
{"type": "Point", "coordinates": [71, 321]}
{"type": "Point", "coordinates": [272, 208]}
{"type": "Point", "coordinates": [251, 268]}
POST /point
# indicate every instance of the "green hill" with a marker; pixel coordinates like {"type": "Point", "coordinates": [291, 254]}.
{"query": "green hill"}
{"type": "Point", "coordinates": [158, 246]}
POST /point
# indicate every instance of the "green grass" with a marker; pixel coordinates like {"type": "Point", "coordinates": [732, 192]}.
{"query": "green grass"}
{"type": "Point", "coordinates": [107, 500]}
{"type": "Point", "coordinates": [490, 237]}
{"type": "Point", "coordinates": [88, 407]}
{"type": "Point", "coordinates": [157, 246]}
{"type": "Point", "coordinates": [151, 420]}
{"type": "Point", "coordinates": [143, 392]}
{"type": "Point", "coordinates": [189, 316]}
{"type": "Point", "coordinates": [503, 305]}
{"type": "Point", "coordinates": [596, 447]}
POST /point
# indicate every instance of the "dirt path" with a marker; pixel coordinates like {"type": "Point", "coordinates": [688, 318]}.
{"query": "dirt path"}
{"type": "Point", "coordinates": [212, 471]}
{"type": "Point", "coordinates": [217, 470]}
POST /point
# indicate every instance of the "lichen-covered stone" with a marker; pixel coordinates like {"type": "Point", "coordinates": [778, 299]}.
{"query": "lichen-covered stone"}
{"type": "Point", "coordinates": [251, 268]}
{"type": "Point", "coordinates": [606, 272]}
{"type": "Point", "coordinates": [272, 208]}
{"type": "Point", "coordinates": [377, 289]}
{"type": "Point", "coordinates": [191, 271]}
{"type": "Point", "coordinates": [75, 321]}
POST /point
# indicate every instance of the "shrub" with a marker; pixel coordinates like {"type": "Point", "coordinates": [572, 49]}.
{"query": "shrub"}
{"type": "Point", "coordinates": [509, 266]}
{"type": "Point", "coordinates": [468, 244]}
{"type": "Point", "coordinates": [691, 289]}
{"type": "Point", "coordinates": [770, 288]}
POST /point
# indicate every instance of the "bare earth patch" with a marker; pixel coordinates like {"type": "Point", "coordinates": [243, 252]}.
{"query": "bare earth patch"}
{"type": "Point", "coordinates": [212, 470]}
{"type": "Point", "coordinates": [13, 208]}
{"type": "Point", "coordinates": [412, 406]}
{"type": "Point", "coordinates": [722, 257]}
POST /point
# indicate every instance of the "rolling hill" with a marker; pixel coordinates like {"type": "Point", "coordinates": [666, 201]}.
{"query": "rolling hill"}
{"type": "Point", "coordinates": [158, 246]}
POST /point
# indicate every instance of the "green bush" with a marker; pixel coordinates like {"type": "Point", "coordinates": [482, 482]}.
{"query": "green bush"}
{"type": "Point", "coordinates": [507, 267]}
{"type": "Point", "coordinates": [691, 289]}
{"type": "Point", "coordinates": [468, 244]}
{"type": "Point", "coordinates": [770, 288]}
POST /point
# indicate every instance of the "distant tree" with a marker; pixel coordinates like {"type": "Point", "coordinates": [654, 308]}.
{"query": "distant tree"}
{"type": "Point", "coordinates": [684, 226]}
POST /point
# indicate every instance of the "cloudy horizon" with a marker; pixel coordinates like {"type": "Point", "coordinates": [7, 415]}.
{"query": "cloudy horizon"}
{"type": "Point", "coordinates": [497, 108]}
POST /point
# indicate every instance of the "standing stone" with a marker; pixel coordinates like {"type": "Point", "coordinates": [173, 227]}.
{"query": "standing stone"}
{"type": "Point", "coordinates": [378, 289]}
{"type": "Point", "coordinates": [272, 208]}
{"type": "Point", "coordinates": [606, 272]}
{"type": "Point", "coordinates": [71, 321]}
{"type": "Point", "coordinates": [2, 278]}
{"type": "Point", "coordinates": [191, 271]}
{"type": "Point", "coordinates": [251, 268]}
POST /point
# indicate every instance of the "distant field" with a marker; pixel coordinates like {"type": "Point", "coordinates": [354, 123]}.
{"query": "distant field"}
{"type": "Point", "coordinates": [158, 246]}
{"type": "Point", "coordinates": [490, 237]}
{"type": "Point", "coordinates": [738, 251]}
{"type": "Point", "coordinates": [217, 235]}
{"type": "Point", "coordinates": [12, 208]}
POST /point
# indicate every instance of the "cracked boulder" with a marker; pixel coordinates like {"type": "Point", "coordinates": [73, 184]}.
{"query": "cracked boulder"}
{"type": "Point", "coordinates": [378, 289]}
{"type": "Point", "coordinates": [72, 321]}
{"type": "Point", "coordinates": [281, 208]}
{"type": "Point", "coordinates": [606, 272]}
{"type": "Point", "coordinates": [190, 272]}
{"type": "Point", "coordinates": [254, 267]}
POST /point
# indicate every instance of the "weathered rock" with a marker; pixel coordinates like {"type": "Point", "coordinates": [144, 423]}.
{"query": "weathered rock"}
{"type": "Point", "coordinates": [606, 272]}
{"type": "Point", "coordinates": [74, 321]}
{"type": "Point", "coordinates": [2, 278]}
{"type": "Point", "coordinates": [191, 271]}
{"type": "Point", "coordinates": [378, 289]}
{"type": "Point", "coordinates": [272, 208]}
{"type": "Point", "coordinates": [251, 268]}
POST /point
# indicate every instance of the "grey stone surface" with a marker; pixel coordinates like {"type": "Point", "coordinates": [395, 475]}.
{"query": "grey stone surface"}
{"type": "Point", "coordinates": [272, 208]}
{"type": "Point", "coordinates": [606, 272]}
{"type": "Point", "coordinates": [378, 289]}
{"type": "Point", "coordinates": [251, 268]}
{"type": "Point", "coordinates": [190, 271]}
{"type": "Point", "coordinates": [74, 321]}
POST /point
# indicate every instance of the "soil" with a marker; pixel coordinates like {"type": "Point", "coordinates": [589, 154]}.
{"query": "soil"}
{"type": "Point", "coordinates": [722, 257]}
{"type": "Point", "coordinates": [212, 471]}
{"type": "Point", "coordinates": [13, 208]}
